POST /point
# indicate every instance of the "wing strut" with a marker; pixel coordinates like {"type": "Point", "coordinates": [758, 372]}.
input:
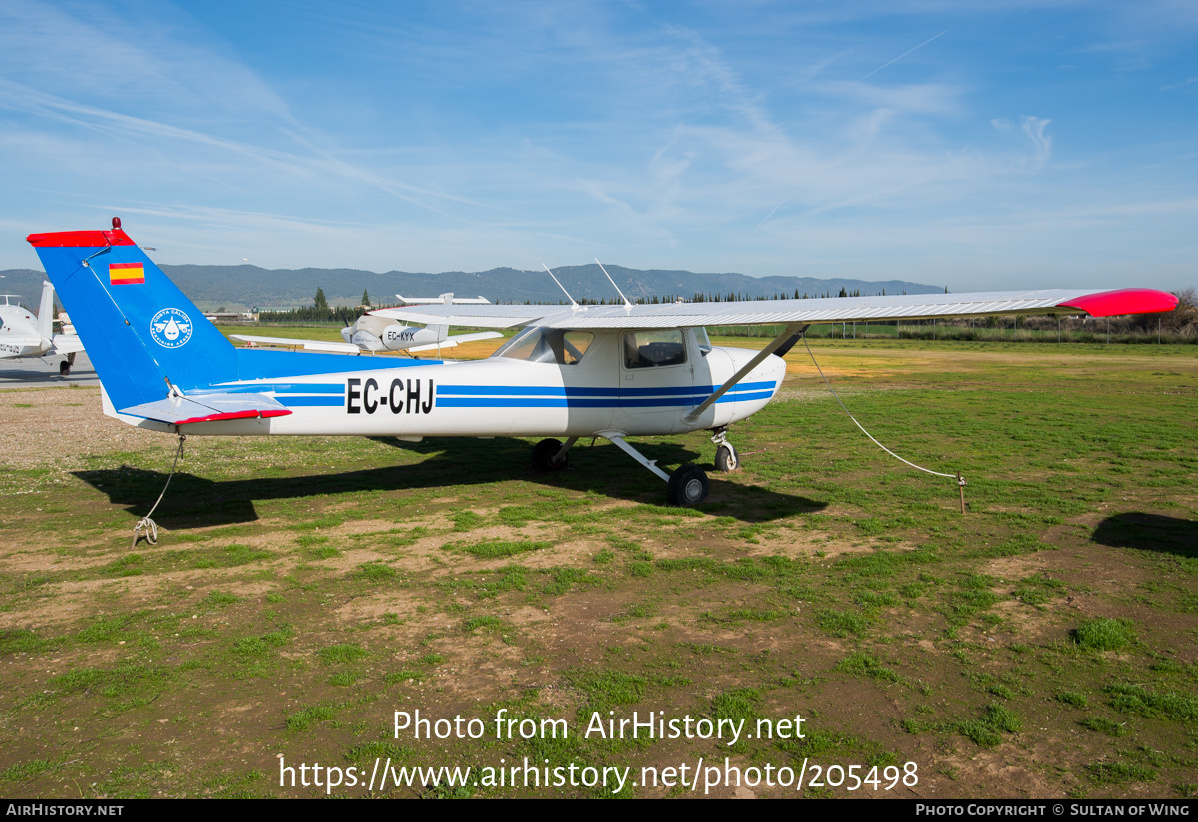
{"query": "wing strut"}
{"type": "Point", "coordinates": [783, 342]}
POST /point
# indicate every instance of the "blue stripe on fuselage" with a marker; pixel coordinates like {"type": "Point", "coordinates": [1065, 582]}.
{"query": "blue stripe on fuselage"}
{"type": "Point", "coordinates": [575, 401]}
{"type": "Point", "coordinates": [581, 391]}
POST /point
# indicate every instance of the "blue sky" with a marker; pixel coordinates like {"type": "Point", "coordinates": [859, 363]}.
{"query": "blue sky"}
{"type": "Point", "coordinates": [979, 145]}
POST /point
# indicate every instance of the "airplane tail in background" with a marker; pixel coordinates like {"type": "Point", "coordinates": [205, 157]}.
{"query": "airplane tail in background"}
{"type": "Point", "coordinates": [139, 328]}
{"type": "Point", "coordinates": [45, 314]}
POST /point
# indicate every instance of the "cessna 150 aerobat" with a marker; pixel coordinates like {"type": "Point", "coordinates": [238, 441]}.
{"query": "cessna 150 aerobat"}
{"type": "Point", "coordinates": [24, 335]}
{"type": "Point", "coordinates": [571, 371]}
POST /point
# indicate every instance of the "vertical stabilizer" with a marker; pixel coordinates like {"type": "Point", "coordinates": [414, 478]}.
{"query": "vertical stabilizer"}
{"type": "Point", "coordinates": [45, 314]}
{"type": "Point", "coordinates": [139, 328]}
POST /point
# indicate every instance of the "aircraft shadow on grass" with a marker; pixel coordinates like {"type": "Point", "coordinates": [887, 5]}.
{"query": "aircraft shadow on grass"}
{"type": "Point", "coordinates": [1149, 532]}
{"type": "Point", "coordinates": [194, 501]}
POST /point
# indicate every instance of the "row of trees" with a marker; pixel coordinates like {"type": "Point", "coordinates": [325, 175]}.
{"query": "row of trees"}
{"type": "Point", "coordinates": [321, 302]}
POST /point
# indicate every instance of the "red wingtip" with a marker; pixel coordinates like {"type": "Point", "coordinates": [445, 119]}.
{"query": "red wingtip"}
{"type": "Point", "coordinates": [1124, 301]}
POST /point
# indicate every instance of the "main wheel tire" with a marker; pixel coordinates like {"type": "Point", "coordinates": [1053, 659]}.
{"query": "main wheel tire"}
{"type": "Point", "coordinates": [726, 458]}
{"type": "Point", "coordinates": [687, 487]}
{"type": "Point", "coordinates": [64, 368]}
{"type": "Point", "coordinates": [542, 456]}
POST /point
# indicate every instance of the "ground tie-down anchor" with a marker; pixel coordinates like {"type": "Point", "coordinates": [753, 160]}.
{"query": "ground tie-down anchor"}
{"type": "Point", "coordinates": [145, 523]}
{"type": "Point", "coordinates": [961, 488]}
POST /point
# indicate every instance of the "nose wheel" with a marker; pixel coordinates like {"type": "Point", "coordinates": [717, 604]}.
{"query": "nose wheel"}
{"type": "Point", "coordinates": [726, 458]}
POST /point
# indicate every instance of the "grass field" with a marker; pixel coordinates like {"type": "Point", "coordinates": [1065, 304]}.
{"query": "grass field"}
{"type": "Point", "coordinates": [304, 590]}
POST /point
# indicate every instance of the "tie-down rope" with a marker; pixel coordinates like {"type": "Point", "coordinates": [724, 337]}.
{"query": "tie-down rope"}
{"type": "Point", "coordinates": [145, 523]}
{"type": "Point", "coordinates": [959, 478]}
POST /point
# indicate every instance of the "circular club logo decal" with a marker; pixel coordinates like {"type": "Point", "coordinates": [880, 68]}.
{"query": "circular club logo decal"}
{"type": "Point", "coordinates": [170, 328]}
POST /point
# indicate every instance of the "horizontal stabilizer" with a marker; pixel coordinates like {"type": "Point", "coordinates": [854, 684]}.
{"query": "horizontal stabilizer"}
{"type": "Point", "coordinates": [208, 408]}
{"type": "Point", "coordinates": [307, 345]}
{"type": "Point", "coordinates": [67, 344]}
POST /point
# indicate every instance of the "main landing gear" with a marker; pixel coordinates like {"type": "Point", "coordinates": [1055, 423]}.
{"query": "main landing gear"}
{"type": "Point", "coordinates": [551, 455]}
{"type": "Point", "coordinates": [64, 367]}
{"type": "Point", "coordinates": [685, 488]}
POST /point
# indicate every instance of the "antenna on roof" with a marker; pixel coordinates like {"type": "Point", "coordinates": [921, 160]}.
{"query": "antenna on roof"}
{"type": "Point", "coordinates": [559, 285]}
{"type": "Point", "coordinates": [613, 284]}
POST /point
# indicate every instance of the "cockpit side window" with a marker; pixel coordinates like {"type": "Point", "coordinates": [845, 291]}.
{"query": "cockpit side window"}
{"type": "Point", "coordinates": [653, 349]}
{"type": "Point", "coordinates": [547, 345]}
{"type": "Point", "coordinates": [703, 340]}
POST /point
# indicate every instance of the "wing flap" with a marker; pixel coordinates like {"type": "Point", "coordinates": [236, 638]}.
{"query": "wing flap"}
{"type": "Point", "coordinates": [471, 316]}
{"type": "Point", "coordinates": [458, 339]}
{"type": "Point", "coordinates": [208, 408]}
{"type": "Point", "coordinates": [307, 345]}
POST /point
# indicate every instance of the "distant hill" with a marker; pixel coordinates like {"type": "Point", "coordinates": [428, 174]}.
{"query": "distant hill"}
{"type": "Point", "coordinates": [240, 287]}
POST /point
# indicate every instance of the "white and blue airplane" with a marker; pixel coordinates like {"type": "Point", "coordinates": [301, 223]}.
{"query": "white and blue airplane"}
{"type": "Point", "coordinates": [571, 371]}
{"type": "Point", "coordinates": [24, 335]}
{"type": "Point", "coordinates": [376, 333]}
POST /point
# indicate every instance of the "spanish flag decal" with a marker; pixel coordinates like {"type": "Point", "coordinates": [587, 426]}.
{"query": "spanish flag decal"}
{"type": "Point", "coordinates": [126, 273]}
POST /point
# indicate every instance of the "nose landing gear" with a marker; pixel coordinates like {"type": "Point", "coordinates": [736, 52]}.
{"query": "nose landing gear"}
{"type": "Point", "coordinates": [726, 458]}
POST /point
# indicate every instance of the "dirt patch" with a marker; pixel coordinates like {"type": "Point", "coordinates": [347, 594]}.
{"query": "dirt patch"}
{"type": "Point", "coordinates": [60, 427]}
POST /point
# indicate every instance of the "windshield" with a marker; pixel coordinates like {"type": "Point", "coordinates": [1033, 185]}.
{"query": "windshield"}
{"type": "Point", "coordinates": [547, 345]}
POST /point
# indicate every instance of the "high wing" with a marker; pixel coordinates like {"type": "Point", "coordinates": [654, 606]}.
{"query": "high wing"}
{"type": "Point", "coordinates": [447, 299]}
{"type": "Point", "coordinates": [816, 311]}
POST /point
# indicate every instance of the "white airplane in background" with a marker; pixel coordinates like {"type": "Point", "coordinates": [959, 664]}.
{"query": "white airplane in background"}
{"type": "Point", "coordinates": [376, 332]}
{"type": "Point", "coordinates": [24, 335]}
{"type": "Point", "coordinates": [571, 372]}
